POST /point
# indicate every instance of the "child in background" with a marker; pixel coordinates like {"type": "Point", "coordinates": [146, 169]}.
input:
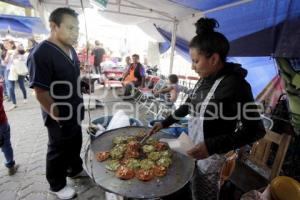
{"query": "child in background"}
{"type": "Point", "coordinates": [171, 91]}
{"type": "Point", "coordinates": [5, 143]}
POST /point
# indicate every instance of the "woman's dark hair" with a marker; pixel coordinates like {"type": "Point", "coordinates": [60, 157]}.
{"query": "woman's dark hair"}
{"type": "Point", "coordinates": [3, 51]}
{"type": "Point", "coordinates": [21, 51]}
{"type": "Point", "coordinates": [208, 41]}
{"type": "Point", "coordinates": [57, 15]}
{"type": "Point", "coordinates": [173, 78]}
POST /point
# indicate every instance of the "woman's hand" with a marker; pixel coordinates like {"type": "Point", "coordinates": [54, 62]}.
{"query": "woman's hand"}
{"type": "Point", "coordinates": [198, 152]}
{"type": "Point", "coordinates": [157, 127]}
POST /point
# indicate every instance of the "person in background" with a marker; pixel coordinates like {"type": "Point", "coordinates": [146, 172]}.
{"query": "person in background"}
{"type": "Point", "coordinates": [31, 44]}
{"type": "Point", "coordinates": [19, 59]}
{"type": "Point", "coordinates": [128, 63]}
{"type": "Point", "coordinates": [223, 114]}
{"type": "Point", "coordinates": [171, 91]}
{"type": "Point", "coordinates": [5, 143]}
{"type": "Point", "coordinates": [135, 75]}
{"type": "Point", "coordinates": [52, 62]}
{"type": "Point", "coordinates": [8, 61]}
{"type": "Point", "coordinates": [3, 69]}
{"type": "Point", "coordinates": [98, 53]}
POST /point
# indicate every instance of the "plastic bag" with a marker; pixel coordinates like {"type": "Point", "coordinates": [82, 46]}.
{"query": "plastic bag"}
{"type": "Point", "coordinates": [120, 119]}
{"type": "Point", "coordinates": [181, 145]}
{"type": "Point", "coordinates": [101, 130]}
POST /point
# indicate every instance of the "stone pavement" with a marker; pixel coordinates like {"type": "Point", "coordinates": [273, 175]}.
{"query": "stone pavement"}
{"type": "Point", "coordinates": [29, 140]}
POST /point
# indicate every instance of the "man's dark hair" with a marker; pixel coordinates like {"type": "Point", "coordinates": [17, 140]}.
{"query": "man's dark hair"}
{"type": "Point", "coordinates": [136, 56]}
{"type": "Point", "coordinates": [173, 78]}
{"type": "Point", "coordinates": [57, 15]}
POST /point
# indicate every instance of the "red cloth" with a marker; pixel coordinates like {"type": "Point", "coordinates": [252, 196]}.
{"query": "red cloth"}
{"type": "Point", "coordinates": [3, 118]}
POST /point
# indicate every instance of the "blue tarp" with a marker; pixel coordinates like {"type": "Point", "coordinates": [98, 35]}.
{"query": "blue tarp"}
{"type": "Point", "coordinates": [21, 24]}
{"type": "Point", "coordinates": [8, 25]}
{"type": "Point", "coordinates": [258, 27]}
{"type": "Point", "coordinates": [22, 3]}
{"type": "Point", "coordinates": [203, 5]}
{"type": "Point", "coordinates": [257, 30]}
{"type": "Point", "coordinates": [261, 70]}
{"type": "Point", "coordinates": [264, 66]}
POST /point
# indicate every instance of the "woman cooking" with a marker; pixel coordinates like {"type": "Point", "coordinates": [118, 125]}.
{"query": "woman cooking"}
{"type": "Point", "coordinates": [223, 114]}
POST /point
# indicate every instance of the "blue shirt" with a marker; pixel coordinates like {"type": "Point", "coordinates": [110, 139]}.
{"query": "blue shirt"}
{"type": "Point", "coordinates": [51, 69]}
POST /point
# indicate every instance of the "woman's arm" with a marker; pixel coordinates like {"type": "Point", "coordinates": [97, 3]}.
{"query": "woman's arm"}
{"type": "Point", "coordinates": [182, 111]}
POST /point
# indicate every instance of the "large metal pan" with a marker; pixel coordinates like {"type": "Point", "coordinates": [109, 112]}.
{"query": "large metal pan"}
{"type": "Point", "coordinates": [178, 174]}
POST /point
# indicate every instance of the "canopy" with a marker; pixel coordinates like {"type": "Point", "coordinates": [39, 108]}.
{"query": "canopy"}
{"type": "Point", "coordinates": [12, 26]}
{"type": "Point", "coordinates": [239, 20]}
{"type": "Point", "coordinates": [254, 27]}
{"type": "Point", "coordinates": [45, 7]}
{"type": "Point", "coordinates": [21, 25]}
{"type": "Point", "coordinates": [22, 3]}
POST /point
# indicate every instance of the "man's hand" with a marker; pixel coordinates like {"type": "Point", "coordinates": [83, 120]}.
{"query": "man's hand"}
{"type": "Point", "coordinates": [199, 152]}
{"type": "Point", "coordinates": [47, 102]}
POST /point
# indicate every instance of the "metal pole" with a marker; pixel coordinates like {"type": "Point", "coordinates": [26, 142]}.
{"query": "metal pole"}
{"type": "Point", "coordinates": [135, 15]}
{"type": "Point", "coordinates": [173, 42]}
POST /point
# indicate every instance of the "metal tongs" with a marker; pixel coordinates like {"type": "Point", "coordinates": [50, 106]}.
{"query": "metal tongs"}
{"type": "Point", "coordinates": [146, 137]}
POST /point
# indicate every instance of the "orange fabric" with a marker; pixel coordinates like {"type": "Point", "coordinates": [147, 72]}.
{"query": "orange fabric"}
{"type": "Point", "coordinates": [130, 77]}
{"type": "Point", "coordinates": [228, 166]}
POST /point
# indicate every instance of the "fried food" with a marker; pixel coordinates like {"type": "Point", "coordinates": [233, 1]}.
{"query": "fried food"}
{"type": "Point", "coordinates": [144, 175]}
{"type": "Point", "coordinates": [119, 140]}
{"type": "Point", "coordinates": [112, 165]}
{"type": "Point", "coordinates": [147, 164]}
{"type": "Point", "coordinates": [131, 139]}
{"type": "Point", "coordinates": [161, 146]}
{"type": "Point", "coordinates": [140, 135]}
{"type": "Point", "coordinates": [125, 173]}
{"type": "Point", "coordinates": [165, 162]}
{"type": "Point", "coordinates": [148, 148]}
{"type": "Point", "coordinates": [152, 141]}
{"type": "Point", "coordinates": [116, 153]}
{"type": "Point", "coordinates": [133, 145]}
{"type": "Point", "coordinates": [102, 155]}
{"type": "Point", "coordinates": [154, 156]}
{"type": "Point", "coordinates": [128, 159]}
{"type": "Point", "coordinates": [166, 153]}
{"type": "Point", "coordinates": [160, 170]}
{"type": "Point", "coordinates": [132, 154]}
{"type": "Point", "coordinates": [132, 163]}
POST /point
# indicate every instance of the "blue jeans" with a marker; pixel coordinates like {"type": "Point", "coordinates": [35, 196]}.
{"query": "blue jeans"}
{"type": "Point", "coordinates": [6, 148]}
{"type": "Point", "coordinates": [12, 93]}
{"type": "Point", "coordinates": [2, 75]}
{"type": "Point", "coordinates": [6, 72]}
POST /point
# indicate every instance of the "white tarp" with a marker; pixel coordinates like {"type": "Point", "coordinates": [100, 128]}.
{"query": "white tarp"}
{"type": "Point", "coordinates": [161, 13]}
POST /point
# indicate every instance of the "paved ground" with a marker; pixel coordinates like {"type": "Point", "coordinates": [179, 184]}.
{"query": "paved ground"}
{"type": "Point", "coordinates": [29, 139]}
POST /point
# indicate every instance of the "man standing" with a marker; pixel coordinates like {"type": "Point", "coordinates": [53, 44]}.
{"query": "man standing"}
{"type": "Point", "coordinates": [54, 76]}
{"type": "Point", "coordinates": [98, 53]}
